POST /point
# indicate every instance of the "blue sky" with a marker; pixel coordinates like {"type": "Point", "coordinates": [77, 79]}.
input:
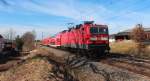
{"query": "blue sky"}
{"type": "Point", "coordinates": [52, 16]}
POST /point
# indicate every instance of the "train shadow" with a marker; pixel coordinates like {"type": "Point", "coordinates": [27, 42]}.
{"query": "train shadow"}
{"type": "Point", "coordinates": [110, 56]}
{"type": "Point", "coordinates": [117, 55]}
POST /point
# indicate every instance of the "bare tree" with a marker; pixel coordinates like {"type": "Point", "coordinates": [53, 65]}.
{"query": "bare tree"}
{"type": "Point", "coordinates": [10, 34]}
{"type": "Point", "coordinates": [29, 41]}
{"type": "Point", "coordinates": [138, 35]}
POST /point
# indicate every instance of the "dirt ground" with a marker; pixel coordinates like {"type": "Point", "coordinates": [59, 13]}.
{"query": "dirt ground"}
{"type": "Point", "coordinates": [39, 65]}
{"type": "Point", "coordinates": [32, 70]}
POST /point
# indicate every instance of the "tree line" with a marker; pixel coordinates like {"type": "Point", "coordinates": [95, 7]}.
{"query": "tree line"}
{"type": "Point", "coordinates": [25, 42]}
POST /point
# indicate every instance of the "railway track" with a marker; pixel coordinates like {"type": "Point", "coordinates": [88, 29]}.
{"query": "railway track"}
{"type": "Point", "coordinates": [131, 64]}
{"type": "Point", "coordinates": [137, 67]}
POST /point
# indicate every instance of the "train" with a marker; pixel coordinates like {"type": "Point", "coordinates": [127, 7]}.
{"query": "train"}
{"type": "Point", "coordinates": [87, 38]}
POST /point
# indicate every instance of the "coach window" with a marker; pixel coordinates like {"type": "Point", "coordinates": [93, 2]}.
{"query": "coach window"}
{"type": "Point", "coordinates": [82, 30]}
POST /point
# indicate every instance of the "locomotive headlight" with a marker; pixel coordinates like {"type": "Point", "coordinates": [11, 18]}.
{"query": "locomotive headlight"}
{"type": "Point", "coordinates": [104, 38]}
{"type": "Point", "coordinates": [93, 38]}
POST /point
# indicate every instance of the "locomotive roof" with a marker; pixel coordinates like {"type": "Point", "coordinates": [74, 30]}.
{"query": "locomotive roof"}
{"type": "Point", "coordinates": [64, 31]}
{"type": "Point", "coordinates": [88, 22]}
{"type": "Point", "coordinates": [80, 25]}
{"type": "Point", "coordinates": [96, 25]}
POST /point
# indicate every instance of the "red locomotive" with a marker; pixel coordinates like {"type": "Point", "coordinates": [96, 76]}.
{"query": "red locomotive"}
{"type": "Point", "coordinates": [90, 38]}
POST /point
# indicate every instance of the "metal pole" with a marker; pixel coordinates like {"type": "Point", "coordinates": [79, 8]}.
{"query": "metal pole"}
{"type": "Point", "coordinates": [42, 35]}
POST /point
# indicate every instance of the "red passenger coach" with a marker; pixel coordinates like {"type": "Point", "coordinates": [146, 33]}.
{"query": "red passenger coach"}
{"type": "Point", "coordinates": [46, 41]}
{"type": "Point", "coordinates": [57, 40]}
{"type": "Point", "coordinates": [88, 37]}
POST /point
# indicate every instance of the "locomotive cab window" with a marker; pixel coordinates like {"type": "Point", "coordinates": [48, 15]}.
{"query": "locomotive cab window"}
{"type": "Point", "coordinates": [97, 30]}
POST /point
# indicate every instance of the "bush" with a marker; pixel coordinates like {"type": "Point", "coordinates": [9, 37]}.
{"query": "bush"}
{"type": "Point", "coordinates": [29, 41]}
{"type": "Point", "coordinates": [138, 35]}
{"type": "Point", "coordinates": [19, 43]}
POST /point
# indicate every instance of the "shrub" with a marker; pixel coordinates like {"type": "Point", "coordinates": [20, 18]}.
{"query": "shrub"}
{"type": "Point", "coordinates": [138, 35]}
{"type": "Point", "coordinates": [19, 43]}
{"type": "Point", "coordinates": [29, 41]}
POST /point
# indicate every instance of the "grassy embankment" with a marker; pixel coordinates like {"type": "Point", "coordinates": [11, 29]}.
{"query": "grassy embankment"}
{"type": "Point", "coordinates": [130, 48]}
{"type": "Point", "coordinates": [32, 70]}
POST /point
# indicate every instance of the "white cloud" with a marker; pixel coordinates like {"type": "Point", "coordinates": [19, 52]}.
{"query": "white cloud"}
{"type": "Point", "coordinates": [65, 8]}
{"type": "Point", "coordinates": [117, 20]}
{"type": "Point", "coordinates": [99, 13]}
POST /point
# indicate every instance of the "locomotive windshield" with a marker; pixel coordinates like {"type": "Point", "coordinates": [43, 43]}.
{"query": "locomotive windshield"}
{"type": "Point", "coordinates": [98, 30]}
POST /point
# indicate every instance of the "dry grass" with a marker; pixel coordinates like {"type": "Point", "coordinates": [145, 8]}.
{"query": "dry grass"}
{"type": "Point", "coordinates": [35, 69]}
{"type": "Point", "coordinates": [123, 47]}
{"type": "Point", "coordinates": [129, 47]}
{"type": "Point", "coordinates": [147, 51]}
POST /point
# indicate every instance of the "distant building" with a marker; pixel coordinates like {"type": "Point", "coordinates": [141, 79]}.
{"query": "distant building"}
{"type": "Point", "coordinates": [112, 38]}
{"type": "Point", "coordinates": [125, 35]}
